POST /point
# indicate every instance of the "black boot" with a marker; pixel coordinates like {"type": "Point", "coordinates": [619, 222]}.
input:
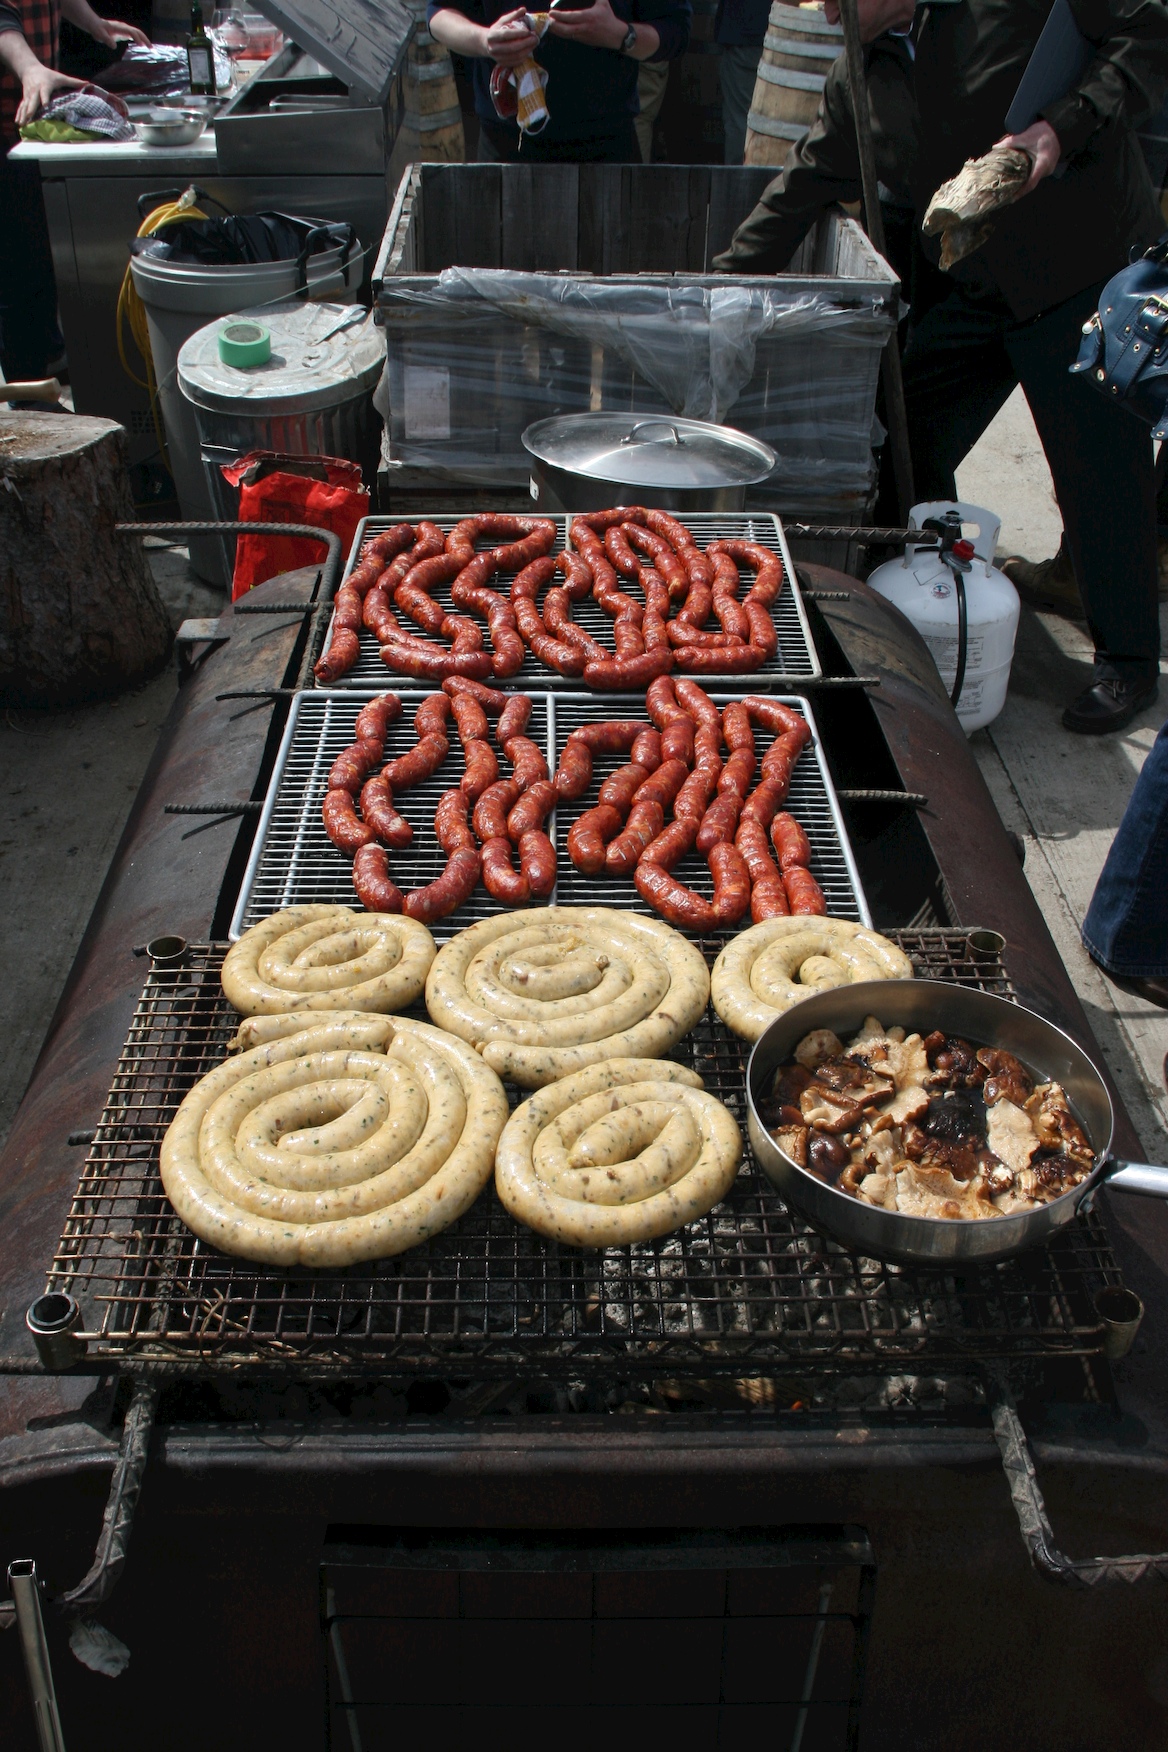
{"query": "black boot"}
{"type": "Point", "coordinates": [1117, 692]}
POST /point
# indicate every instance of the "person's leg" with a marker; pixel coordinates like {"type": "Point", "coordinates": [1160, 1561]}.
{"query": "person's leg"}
{"type": "Point", "coordinates": [1126, 927]}
{"type": "Point", "coordinates": [652, 78]}
{"type": "Point", "coordinates": [737, 69]}
{"type": "Point", "coordinates": [956, 376]}
{"type": "Point", "coordinates": [1100, 459]}
{"type": "Point", "coordinates": [29, 337]}
{"type": "Point", "coordinates": [497, 143]}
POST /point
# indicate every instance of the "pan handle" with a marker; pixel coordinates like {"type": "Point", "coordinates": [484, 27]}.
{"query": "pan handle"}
{"type": "Point", "coordinates": [1139, 1177]}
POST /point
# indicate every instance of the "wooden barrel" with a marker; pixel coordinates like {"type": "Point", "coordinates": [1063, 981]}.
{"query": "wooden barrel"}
{"type": "Point", "coordinates": [432, 119]}
{"type": "Point", "coordinates": [798, 50]}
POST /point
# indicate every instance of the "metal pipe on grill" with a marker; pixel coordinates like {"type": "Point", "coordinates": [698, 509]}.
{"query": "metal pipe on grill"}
{"type": "Point", "coordinates": [25, 1590]}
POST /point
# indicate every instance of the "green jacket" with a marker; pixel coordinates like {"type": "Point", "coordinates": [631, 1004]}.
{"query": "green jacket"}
{"type": "Point", "coordinates": [823, 168]}
{"type": "Point", "coordinates": [1075, 229]}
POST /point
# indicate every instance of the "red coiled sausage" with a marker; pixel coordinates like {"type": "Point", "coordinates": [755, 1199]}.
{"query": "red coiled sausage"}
{"type": "Point", "coordinates": [470, 718]}
{"type": "Point", "coordinates": [418, 763]}
{"type": "Point", "coordinates": [720, 659]}
{"type": "Point", "coordinates": [672, 844]}
{"type": "Point", "coordinates": [578, 573]}
{"type": "Point", "coordinates": [558, 620]}
{"type": "Point", "coordinates": [557, 654]}
{"type": "Point", "coordinates": [533, 807]}
{"type": "Point", "coordinates": [768, 568]}
{"type": "Point", "coordinates": [339, 814]}
{"type": "Point", "coordinates": [662, 705]}
{"type": "Point", "coordinates": [737, 774]}
{"type": "Point", "coordinates": [537, 862]}
{"type": "Point", "coordinates": [347, 607]}
{"type": "Point", "coordinates": [527, 761]}
{"type": "Point", "coordinates": [736, 729]}
{"type": "Point", "coordinates": [341, 656]}
{"type": "Point", "coordinates": [664, 784]}
{"type": "Point", "coordinates": [768, 896]}
{"type": "Point", "coordinates": [588, 837]}
{"type": "Point", "coordinates": [693, 799]}
{"type": "Point", "coordinates": [376, 614]}
{"type": "Point", "coordinates": [763, 632]}
{"type": "Point", "coordinates": [612, 736]}
{"type": "Point", "coordinates": [374, 718]}
{"type": "Point", "coordinates": [492, 809]}
{"type": "Point", "coordinates": [675, 533]}
{"type": "Point", "coordinates": [773, 715]}
{"type": "Point", "coordinates": [349, 770]}
{"type": "Point", "coordinates": [731, 884]}
{"type": "Point", "coordinates": [676, 903]}
{"type": "Point", "coordinates": [430, 542]}
{"type": "Point", "coordinates": [389, 543]}
{"type": "Point", "coordinates": [655, 631]}
{"type": "Point", "coordinates": [451, 827]}
{"type": "Point", "coordinates": [513, 719]}
{"type": "Point", "coordinates": [804, 892]}
{"type": "Point", "coordinates": [482, 769]}
{"type": "Point", "coordinates": [622, 854]}
{"type": "Point", "coordinates": [760, 806]}
{"type": "Point", "coordinates": [433, 715]}
{"type": "Point", "coordinates": [430, 663]}
{"type": "Point", "coordinates": [422, 609]}
{"type": "Point", "coordinates": [619, 552]}
{"type": "Point", "coordinates": [726, 604]}
{"type": "Point", "coordinates": [574, 773]}
{"type": "Point", "coordinates": [594, 523]}
{"type": "Point", "coordinates": [500, 879]}
{"type": "Point", "coordinates": [719, 822]}
{"type": "Point", "coordinates": [695, 611]}
{"type": "Point", "coordinates": [781, 756]}
{"type": "Point", "coordinates": [448, 892]}
{"type": "Point", "coordinates": [665, 559]}
{"type": "Point", "coordinates": [379, 813]}
{"type": "Point", "coordinates": [697, 702]}
{"type": "Point", "coordinates": [677, 739]}
{"type": "Point", "coordinates": [628, 672]}
{"type": "Point", "coordinates": [372, 882]}
{"type": "Point", "coordinates": [489, 698]}
{"type": "Point", "coordinates": [532, 579]}
{"type": "Point", "coordinates": [681, 634]}
{"type": "Point", "coordinates": [627, 638]}
{"type": "Point", "coordinates": [646, 750]}
{"type": "Point", "coordinates": [790, 842]}
{"type": "Point", "coordinates": [620, 787]}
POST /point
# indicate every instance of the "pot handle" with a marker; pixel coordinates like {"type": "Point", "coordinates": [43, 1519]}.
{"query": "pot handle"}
{"type": "Point", "coordinates": [631, 436]}
{"type": "Point", "coordinates": [1138, 1177]}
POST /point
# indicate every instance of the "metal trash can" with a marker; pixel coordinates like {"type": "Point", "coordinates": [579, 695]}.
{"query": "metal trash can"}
{"type": "Point", "coordinates": [311, 398]}
{"type": "Point", "coordinates": [179, 298]}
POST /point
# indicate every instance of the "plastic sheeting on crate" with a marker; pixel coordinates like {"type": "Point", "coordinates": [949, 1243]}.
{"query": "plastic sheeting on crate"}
{"type": "Point", "coordinates": [294, 863]}
{"type": "Point", "coordinates": [796, 657]}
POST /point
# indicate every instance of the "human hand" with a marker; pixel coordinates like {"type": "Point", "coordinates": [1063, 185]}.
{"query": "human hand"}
{"type": "Point", "coordinates": [115, 32]}
{"type": "Point", "coordinates": [597, 25]}
{"type": "Point", "coordinates": [876, 16]}
{"type": "Point", "coordinates": [511, 39]}
{"type": "Point", "coordinates": [1042, 143]}
{"type": "Point", "coordinates": [38, 87]}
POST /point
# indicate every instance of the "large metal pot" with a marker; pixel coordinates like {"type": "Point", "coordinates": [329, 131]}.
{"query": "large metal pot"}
{"type": "Point", "coordinates": [587, 462]}
{"type": "Point", "coordinates": [920, 1006]}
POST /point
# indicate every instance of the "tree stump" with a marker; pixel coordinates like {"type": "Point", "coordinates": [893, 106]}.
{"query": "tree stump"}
{"type": "Point", "coordinates": [80, 615]}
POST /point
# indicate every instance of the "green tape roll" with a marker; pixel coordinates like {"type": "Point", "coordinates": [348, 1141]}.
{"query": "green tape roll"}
{"type": "Point", "coordinates": [244, 344]}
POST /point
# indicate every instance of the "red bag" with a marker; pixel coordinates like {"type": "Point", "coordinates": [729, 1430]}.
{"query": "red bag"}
{"type": "Point", "coordinates": [324, 491]}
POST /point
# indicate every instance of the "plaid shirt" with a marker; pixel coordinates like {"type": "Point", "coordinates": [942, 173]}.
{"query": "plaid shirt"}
{"type": "Point", "coordinates": [40, 22]}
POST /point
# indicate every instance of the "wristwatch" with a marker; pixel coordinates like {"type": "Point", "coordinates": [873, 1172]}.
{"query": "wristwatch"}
{"type": "Point", "coordinates": [630, 40]}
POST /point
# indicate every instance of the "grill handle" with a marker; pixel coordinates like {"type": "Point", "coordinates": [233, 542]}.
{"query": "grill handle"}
{"type": "Point", "coordinates": [1029, 1506]}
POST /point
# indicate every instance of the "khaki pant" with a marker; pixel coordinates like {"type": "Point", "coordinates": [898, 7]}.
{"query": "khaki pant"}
{"type": "Point", "coordinates": [652, 78]}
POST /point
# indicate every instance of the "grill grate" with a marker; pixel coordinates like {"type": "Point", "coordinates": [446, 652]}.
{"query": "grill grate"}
{"type": "Point", "coordinates": [748, 1289]}
{"type": "Point", "coordinates": [294, 863]}
{"type": "Point", "coordinates": [795, 657]}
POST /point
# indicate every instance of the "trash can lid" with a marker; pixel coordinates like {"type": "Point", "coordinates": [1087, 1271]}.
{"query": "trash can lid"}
{"type": "Point", "coordinates": [321, 355]}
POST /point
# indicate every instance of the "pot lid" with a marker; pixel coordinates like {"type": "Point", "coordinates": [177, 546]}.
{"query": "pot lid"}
{"type": "Point", "coordinates": [361, 42]}
{"type": "Point", "coordinates": [660, 451]}
{"type": "Point", "coordinates": [321, 355]}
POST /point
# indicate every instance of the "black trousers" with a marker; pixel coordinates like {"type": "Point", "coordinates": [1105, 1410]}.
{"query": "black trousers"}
{"type": "Point", "coordinates": [29, 336]}
{"type": "Point", "coordinates": [500, 144]}
{"type": "Point", "coordinates": [962, 361]}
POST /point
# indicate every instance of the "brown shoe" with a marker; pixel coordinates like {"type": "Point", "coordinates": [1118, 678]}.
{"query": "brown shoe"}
{"type": "Point", "coordinates": [1047, 584]}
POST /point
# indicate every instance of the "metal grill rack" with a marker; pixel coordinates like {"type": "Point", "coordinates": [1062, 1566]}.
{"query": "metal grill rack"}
{"type": "Point", "coordinates": [294, 863]}
{"type": "Point", "coordinates": [795, 657]}
{"type": "Point", "coordinates": [748, 1289]}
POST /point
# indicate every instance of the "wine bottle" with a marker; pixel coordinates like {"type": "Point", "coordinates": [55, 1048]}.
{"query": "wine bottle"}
{"type": "Point", "coordinates": [200, 56]}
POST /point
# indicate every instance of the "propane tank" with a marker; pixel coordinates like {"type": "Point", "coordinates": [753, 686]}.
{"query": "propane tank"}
{"type": "Point", "coordinates": [926, 585]}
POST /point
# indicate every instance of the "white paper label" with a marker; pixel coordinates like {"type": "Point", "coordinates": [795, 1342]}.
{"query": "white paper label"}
{"type": "Point", "coordinates": [427, 410]}
{"type": "Point", "coordinates": [533, 488]}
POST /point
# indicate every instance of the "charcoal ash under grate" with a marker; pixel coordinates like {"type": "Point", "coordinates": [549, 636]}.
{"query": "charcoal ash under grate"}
{"type": "Point", "coordinates": [748, 1287]}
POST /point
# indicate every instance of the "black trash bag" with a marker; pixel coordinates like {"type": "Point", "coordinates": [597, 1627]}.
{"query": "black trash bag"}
{"type": "Point", "coordinates": [243, 238]}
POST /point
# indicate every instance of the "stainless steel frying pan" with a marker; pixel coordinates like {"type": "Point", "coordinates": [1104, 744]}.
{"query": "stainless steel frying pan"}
{"type": "Point", "coordinates": [919, 1006]}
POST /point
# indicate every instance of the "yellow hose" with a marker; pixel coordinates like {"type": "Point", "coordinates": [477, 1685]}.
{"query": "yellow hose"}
{"type": "Point", "coordinates": [132, 312]}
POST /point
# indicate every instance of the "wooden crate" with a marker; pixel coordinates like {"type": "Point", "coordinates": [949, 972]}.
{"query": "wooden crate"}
{"type": "Point", "coordinates": [466, 378]}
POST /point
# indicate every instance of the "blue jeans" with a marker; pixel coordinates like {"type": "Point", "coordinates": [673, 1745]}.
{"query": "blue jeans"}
{"type": "Point", "coordinates": [1126, 928]}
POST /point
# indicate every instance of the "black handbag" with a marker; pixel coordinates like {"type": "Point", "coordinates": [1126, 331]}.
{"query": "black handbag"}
{"type": "Point", "coordinates": [1124, 349]}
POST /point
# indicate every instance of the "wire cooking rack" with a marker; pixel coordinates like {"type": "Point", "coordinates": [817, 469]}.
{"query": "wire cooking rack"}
{"type": "Point", "coordinates": [795, 656]}
{"type": "Point", "coordinates": [748, 1289]}
{"type": "Point", "coordinates": [294, 863]}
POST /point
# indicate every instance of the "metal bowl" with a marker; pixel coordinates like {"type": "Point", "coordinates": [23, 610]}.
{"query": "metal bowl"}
{"type": "Point", "coordinates": [919, 1006]}
{"type": "Point", "coordinates": [179, 128]}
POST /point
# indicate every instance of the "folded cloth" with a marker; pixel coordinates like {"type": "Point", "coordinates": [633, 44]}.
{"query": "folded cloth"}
{"type": "Point", "coordinates": [519, 91]}
{"type": "Point", "coordinates": [79, 116]}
